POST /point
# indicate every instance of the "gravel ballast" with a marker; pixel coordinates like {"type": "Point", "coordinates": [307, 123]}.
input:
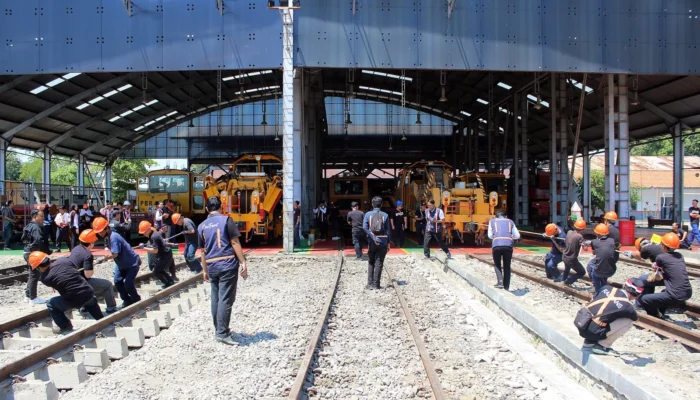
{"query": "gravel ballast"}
{"type": "Point", "coordinates": [273, 317]}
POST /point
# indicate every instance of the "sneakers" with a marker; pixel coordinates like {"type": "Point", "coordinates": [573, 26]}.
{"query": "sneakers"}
{"type": "Point", "coordinates": [558, 279]}
{"type": "Point", "coordinates": [59, 331]}
{"type": "Point", "coordinates": [600, 350]}
{"type": "Point", "coordinates": [336, 238]}
{"type": "Point", "coordinates": [111, 310]}
{"type": "Point", "coordinates": [7, 249]}
{"type": "Point", "coordinates": [176, 279]}
{"type": "Point", "coordinates": [498, 285]}
{"type": "Point", "coordinates": [427, 257]}
{"type": "Point", "coordinates": [568, 284]}
{"type": "Point", "coordinates": [227, 340]}
{"type": "Point", "coordinates": [36, 300]}
{"type": "Point", "coordinates": [369, 287]}
{"type": "Point", "coordinates": [449, 256]}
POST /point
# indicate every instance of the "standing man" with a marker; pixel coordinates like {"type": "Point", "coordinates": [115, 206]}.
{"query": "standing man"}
{"type": "Point", "coordinates": [297, 224]}
{"type": "Point", "coordinates": [126, 261]}
{"type": "Point", "coordinates": [167, 219]}
{"type": "Point", "coordinates": [356, 219]}
{"type": "Point", "coordinates": [502, 232]}
{"type": "Point", "coordinates": [74, 224]}
{"type": "Point", "coordinates": [161, 255]}
{"type": "Point", "coordinates": [603, 265]}
{"type": "Point", "coordinates": [682, 236]}
{"type": "Point", "coordinates": [34, 239]}
{"type": "Point", "coordinates": [75, 292]}
{"type": "Point", "coordinates": [48, 220]}
{"type": "Point", "coordinates": [434, 217]}
{"type": "Point", "coordinates": [126, 221]}
{"type": "Point", "coordinates": [158, 216]}
{"type": "Point", "coordinates": [191, 244]}
{"type": "Point", "coordinates": [554, 256]}
{"type": "Point", "coordinates": [398, 225]}
{"type": "Point", "coordinates": [334, 217]}
{"type": "Point", "coordinates": [610, 218]}
{"type": "Point", "coordinates": [376, 226]}
{"type": "Point", "coordinates": [62, 221]}
{"type": "Point", "coordinates": [8, 223]}
{"type": "Point", "coordinates": [322, 220]}
{"type": "Point", "coordinates": [694, 214]}
{"type": "Point", "coordinates": [82, 257]}
{"type": "Point", "coordinates": [420, 222]}
{"type": "Point", "coordinates": [573, 243]}
{"type": "Point", "coordinates": [222, 258]}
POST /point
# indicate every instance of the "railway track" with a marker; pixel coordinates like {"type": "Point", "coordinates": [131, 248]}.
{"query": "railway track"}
{"type": "Point", "coordinates": [687, 337]}
{"type": "Point", "coordinates": [12, 275]}
{"type": "Point", "coordinates": [303, 386]}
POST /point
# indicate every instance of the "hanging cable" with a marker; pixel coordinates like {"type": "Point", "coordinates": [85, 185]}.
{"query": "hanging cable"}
{"type": "Point", "coordinates": [418, 90]}
{"type": "Point", "coordinates": [191, 125]}
{"type": "Point", "coordinates": [538, 104]}
{"type": "Point", "coordinates": [389, 114]}
{"type": "Point", "coordinates": [403, 105]}
{"type": "Point", "coordinates": [443, 82]}
{"type": "Point", "coordinates": [218, 105]}
{"type": "Point", "coordinates": [144, 87]}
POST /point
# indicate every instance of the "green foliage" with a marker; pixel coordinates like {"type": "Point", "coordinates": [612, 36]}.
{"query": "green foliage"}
{"type": "Point", "coordinates": [13, 166]}
{"type": "Point", "coordinates": [598, 191]}
{"type": "Point", "coordinates": [63, 171]}
{"type": "Point", "coordinates": [664, 147]}
{"type": "Point", "coordinates": [31, 170]}
{"type": "Point", "coordinates": [124, 173]}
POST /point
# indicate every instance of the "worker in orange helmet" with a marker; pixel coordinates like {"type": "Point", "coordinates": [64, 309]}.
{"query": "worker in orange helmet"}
{"type": "Point", "coordinates": [191, 242]}
{"type": "Point", "coordinates": [160, 251]}
{"type": "Point", "coordinates": [602, 265]}
{"type": "Point", "coordinates": [81, 256]}
{"type": "Point", "coordinates": [63, 276]}
{"type": "Point", "coordinates": [573, 243]}
{"type": "Point", "coordinates": [669, 268]}
{"type": "Point", "coordinates": [127, 262]}
{"type": "Point", "coordinates": [609, 219]}
{"type": "Point", "coordinates": [552, 259]}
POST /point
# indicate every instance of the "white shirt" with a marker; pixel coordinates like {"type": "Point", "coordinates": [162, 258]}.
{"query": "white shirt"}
{"type": "Point", "coordinates": [59, 219]}
{"type": "Point", "coordinates": [514, 234]}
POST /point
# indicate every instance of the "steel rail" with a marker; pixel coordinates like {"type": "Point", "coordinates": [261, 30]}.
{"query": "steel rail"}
{"type": "Point", "coordinates": [433, 377]}
{"type": "Point", "coordinates": [297, 389]}
{"type": "Point", "coordinates": [662, 328]}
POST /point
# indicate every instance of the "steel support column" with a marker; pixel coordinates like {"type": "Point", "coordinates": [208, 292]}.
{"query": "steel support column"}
{"type": "Point", "coordinates": [3, 166]}
{"type": "Point", "coordinates": [81, 174]}
{"type": "Point", "coordinates": [553, 149]}
{"type": "Point", "coordinates": [288, 129]}
{"type": "Point", "coordinates": [609, 138]}
{"type": "Point", "coordinates": [46, 173]}
{"type": "Point", "coordinates": [108, 182]}
{"type": "Point", "coordinates": [300, 132]}
{"type": "Point", "coordinates": [516, 162]}
{"type": "Point", "coordinates": [586, 184]}
{"type": "Point", "coordinates": [677, 174]}
{"type": "Point", "coordinates": [562, 155]}
{"type": "Point", "coordinates": [524, 217]}
{"type": "Point", "coordinates": [622, 169]}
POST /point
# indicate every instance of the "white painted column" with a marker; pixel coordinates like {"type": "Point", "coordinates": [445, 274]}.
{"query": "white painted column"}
{"type": "Point", "coordinates": [524, 217]}
{"type": "Point", "coordinates": [81, 174]}
{"type": "Point", "coordinates": [288, 130]}
{"type": "Point", "coordinates": [516, 162]}
{"type": "Point", "coordinates": [562, 155]}
{"type": "Point", "coordinates": [622, 169]}
{"type": "Point", "coordinates": [586, 184]}
{"type": "Point", "coordinates": [609, 110]}
{"type": "Point", "coordinates": [553, 149]}
{"type": "Point", "coordinates": [677, 174]}
{"type": "Point", "coordinates": [3, 167]}
{"type": "Point", "coordinates": [46, 173]}
{"type": "Point", "coordinates": [108, 182]}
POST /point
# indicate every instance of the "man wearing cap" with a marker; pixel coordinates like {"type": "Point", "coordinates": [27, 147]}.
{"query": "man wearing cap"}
{"type": "Point", "coordinates": [603, 264]}
{"type": "Point", "coordinates": [355, 219]}
{"type": "Point", "coordinates": [434, 217]}
{"type": "Point", "coordinates": [34, 239]}
{"type": "Point", "coordinates": [672, 270]}
{"type": "Point", "coordinates": [190, 233]}
{"type": "Point", "coordinates": [62, 220]}
{"type": "Point", "coordinates": [552, 259]}
{"type": "Point", "coordinates": [126, 261]}
{"type": "Point", "coordinates": [399, 220]}
{"type": "Point", "coordinates": [608, 316]}
{"type": "Point", "coordinates": [610, 218]}
{"type": "Point", "coordinates": [62, 275]}
{"type": "Point", "coordinates": [82, 257]}
{"type": "Point", "coordinates": [160, 251]}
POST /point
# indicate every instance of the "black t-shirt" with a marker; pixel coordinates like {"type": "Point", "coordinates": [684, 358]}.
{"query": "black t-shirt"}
{"type": "Point", "coordinates": [650, 252]}
{"type": "Point", "coordinates": [297, 214]}
{"type": "Point", "coordinates": [398, 218]}
{"type": "Point", "coordinates": [675, 275]}
{"type": "Point", "coordinates": [420, 217]}
{"type": "Point", "coordinates": [694, 211]}
{"type": "Point", "coordinates": [334, 213]}
{"type": "Point", "coordinates": [63, 276]}
{"type": "Point", "coordinates": [615, 309]}
{"type": "Point", "coordinates": [167, 220]}
{"type": "Point", "coordinates": [680, 233]}
{"type": "Point", "coordinates": [82, 258]}
{"type": "Point", "coordinates": [164, 255]}
{"type": "Point", "coordinates": [615, 236]}
{"type": "Point", "coordinates": [355, 218]}
{"type": "Point", "coordinates": [189, 225]}
{"type": "Point", "coordinates": [604, 257]}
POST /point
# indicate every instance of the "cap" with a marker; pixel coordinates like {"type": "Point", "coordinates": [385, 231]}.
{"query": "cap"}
{"type": "Point", "coordinates": [127, 203]}
{"type": "Point", "coordinates": [634, 286]}
{"type": "Point", "coordinates": [399, 203]}
{"type": "Point", "coordinates": [354, 204]}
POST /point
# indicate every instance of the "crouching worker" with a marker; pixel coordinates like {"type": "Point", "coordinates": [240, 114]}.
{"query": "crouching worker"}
{"type": "Point", "coordinates": [574, 241]}
{"type": "Point", "coordinates": [602, 266]}
{"type": "Point", "coordinates": [82, 257]}
{"type": "Point", "coordinates": [157, 248]}
{"type": "Point", "coordinates": [670, 269]}
{"type": "Point", "coordinates": [191, 242]}
{"type": "Point", "coordinates": [74, 290]}
{"type": "Point", "coordinates": [554, 256]}
{"type": "Point", "coordinates": [608, 316]}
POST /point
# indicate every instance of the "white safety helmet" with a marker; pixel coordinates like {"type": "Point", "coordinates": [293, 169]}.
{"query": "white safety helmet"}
{"type": "Point", "coordinates": [126, 203]}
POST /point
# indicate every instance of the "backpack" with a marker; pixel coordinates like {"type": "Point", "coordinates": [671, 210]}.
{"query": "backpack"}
{"type": "Point", "coordinates": [376, 223]}
{"type": "Point", "coordinates": [590, 327]}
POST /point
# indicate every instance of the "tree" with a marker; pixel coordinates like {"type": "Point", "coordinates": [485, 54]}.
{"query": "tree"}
{"type": "Point", "coordinates": [31, 170]}
{"type": "Point", "coordinates": [13, 166]}
{"type": "Point", "coordinates": [664, 146]}
{"type": "Point", "coordinates": [63, 171]}
{"type": "Point", "coordinates": [598, 191]}
{"type": "Point", "coordinates": [124, 173]}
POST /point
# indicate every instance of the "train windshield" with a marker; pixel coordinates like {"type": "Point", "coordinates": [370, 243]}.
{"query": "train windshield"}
{"type": "Point", "coordinates": [348, 187]}
{"type": "Point", "coordinates": [168, 184]}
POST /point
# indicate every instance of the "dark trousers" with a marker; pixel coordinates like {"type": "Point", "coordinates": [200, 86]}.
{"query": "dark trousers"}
{"type": "Point", "coordinates": [398, 236]}
{"type": "Point", "coordinates": [420, 228]}
{"type": "Point", "coordinates": [58, 306]}
{"type": "Point", "coordinates": [502, 256]}
{"type": "Point", "coordinates": [597, 280]}
{"type": "Point", "coordinates": [657, 303]}
{"type": "Point", "coordinates": [61, 237]}
{"type": "Point", "coordinates": [160, 271]}
{"type": "Point", "coordinates": [48, 233]}
{"type": "Point", "coordinates": [76, 235]}
{"type": "Point", "coordinates": [223, 294]}
{"type": "Point", "coordinates": [438, 239]}
{"type": "Point", "coordinates": [376, 254]}
{"type": "Point", "coordinates": [358, 239]}
{"type": "Point", "coordinates": [297, 237]}
{"type": "Point", "coordinates": [334, 224]}
{"type": "Point", "coordinates": [324, 229]}
{"type": "Point", "coordinates": [124, 281]}
{"type": "Point", "coordinates": [574, 264]}
{"type": "Point", "coordinates": [33, 279]}
{"type": "Point", "coordinates": [191, 258]}
{"type": "Point", "coordinates": [7, 233]}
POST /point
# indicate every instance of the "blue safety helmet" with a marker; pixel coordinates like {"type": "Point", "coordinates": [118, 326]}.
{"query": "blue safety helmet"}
{"type": "Point", "coordinates": [398, 203]}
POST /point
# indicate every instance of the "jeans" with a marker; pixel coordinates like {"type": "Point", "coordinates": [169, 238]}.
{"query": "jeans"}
{"type": "Point", "coordinates": [376, 254]}
{"type": "Point", "coordinates": [574, 264]}
{"type": "Point", "coordinates": [358, 239]}
{"type": "Point", "coordinates": [7, 233]}
{"type": "Point", "coordinates": [223, 294]}
{"type": "Point", "coordinates": [124, 281]}
{"type": "Point", "coordinates": [190, 257]}
{"type": "Point", "coordinates": [62, 236]}
{"type": "Point", "coordinates": [694, 234]}
{"type": "Point", "coordinates": [104, 288]}
{"type": "Point", "coordinates": [655, 304]}
{"type": "Point", "coordinates": [33, 279]}
{"type": "Point", "coordinates": [297, 235]}
{"type": "Point", "coordinates": [420, 232]}
{"type": "Point", "coordinates": [334, 225]}
{"type": "Point", "coordinates": [502, 255]}
{"type": "Point", "coordinates": [58, 306]}
{"type": "Point", "coordinates": [551, 265]}
{"type": "Point", "coordinates": [398, 236]}
{"type": "Point", "coordinates": [436, 236]}
{"type": "Point", "coordinates": [598, 281]}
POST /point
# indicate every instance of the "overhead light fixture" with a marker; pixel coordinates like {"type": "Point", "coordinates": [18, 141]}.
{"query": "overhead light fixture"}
{"type": "Point", "coordinates": [191, 125]}
{"type": "Point", "coordinates": [504, 85]}
{"type": "Point", "coordinates": [538, 103]}
{"type": "Point", "coordinates": [351, 92]}
{"type": "Point", "coordinates": [390, 148]}
{"type": "Point", "coordinates": [418, 121]}
{"type": "Point", "coordinates": [264, 122]}
{"type": "Point", "coordinates": [466, 113]}
{"type": "Point", "coordinates": [443, 98]}
{"type": "Point", "coordinates": [347, 119]}
{"type": "Point", "coordinates": [264, 110]}
{"type": "Point", "coordinates": [482, 101]}
{"type": "Point", "coordinates": [635, 89]}
{"type": "Point", "coordinates": [404, 138]}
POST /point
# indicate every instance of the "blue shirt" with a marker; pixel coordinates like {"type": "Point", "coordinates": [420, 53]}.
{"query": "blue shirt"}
{"type": "Point", "coordinates": [384, 239]}
{"type": "Point", "coordinates": [126, 257]}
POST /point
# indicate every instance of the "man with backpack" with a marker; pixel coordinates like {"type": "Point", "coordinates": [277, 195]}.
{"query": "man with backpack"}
{"type": "Point", "coordinates": [608, 316]}
{"type": "Point", "coordinates": [376, 226]}
{"type": "Point", "coordinates": [434, 217]}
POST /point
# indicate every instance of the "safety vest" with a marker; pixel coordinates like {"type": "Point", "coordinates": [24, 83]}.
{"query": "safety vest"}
{"type": "Point", "coordinates": [502, 231]}
{"type": "Point", "coordinates": [220, 255]}
{"type": "Point", "coordinates": [433, 226]}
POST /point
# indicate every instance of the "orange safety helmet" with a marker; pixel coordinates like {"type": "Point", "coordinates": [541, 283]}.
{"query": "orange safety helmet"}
{"type": "Point", "coordinates": [611, 216]}
{"type": "Point", "coordinates": [580, 224]}
{"type": "Point", "coordinates": [671, 241]}
{"type": "Point", "coordinates": [99, 224]}
{"type": "Point", "coordinates": [176, 218]}
{"type": "Point", "coordinates": [36, 258]}
{"type": "Point", "coordinates": [144, 226]}
{"type": "Point", "coordinates": [88, 236]}
{"type": "Point", "coordinates": [550, 230]}
{"type": "Point", "coordinates": [639, 242]}
{"type": "Point", "coordinates": [601, 230]}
